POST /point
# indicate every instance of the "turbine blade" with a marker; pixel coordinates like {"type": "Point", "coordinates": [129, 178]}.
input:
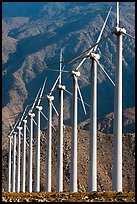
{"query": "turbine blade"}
{"type": "Point", "coordinates": [55, 109]}
{"type": "Point", "coordinates": [54, 85]}
{"type": "Point", "coordinates": [35, 100]}
{"type": "Point", "coordinates": [68, 92]}
{"type": "Point", "coordinates": [129, 35]}
{"type": "Point", "coordinates": [53, 127]}
{"type": "Point", "coordinates": [96, 42]}
{"type": "Point", "coordinates": [105, 73]}
{"type": "Point", "coordinates": [44, 115]}
{"type": "Point", "coordinates": [27, 128]}
{"type": "Point", "coordinates": [56, 70]}
{"type": "Point", "coordinates": [34, 121]}
{"type": "Point", "coordinates": [22, 116]}
{"type": "Point", "coordinates": [42, 91]}
{"type": "Point", "coordinates": [99, 37]}
{"type": "Point", "coordinates": [60, 68]}
{"type": "Point", "coordinates": [117, 24]}
{"type": "Point", "coordinates": [26, 117]}
{"type": "Point", "coordinates": [102, 40]}
{"type": "Point", "coordinates": [80, 96]}
{"type": "Point", "coordinates": [14, 126]}
{"type": "Point", "coordinates": [11, 124]}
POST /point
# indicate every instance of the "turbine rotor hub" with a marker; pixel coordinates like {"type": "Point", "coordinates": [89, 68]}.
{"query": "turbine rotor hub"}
{"type": "Point", "coordinates": [50, 98]}
{"type": "Point", "coordinates": [19, 128]}
{"type": "Point", "coordinates": [62, 87]}
{"type": "Point", "coordinates": [76, 73]}
{"type": "Point", "coordinates": [119, 31]}
{"type": "Point", "coordinates": [95, 56]}
{"type": "Point", "coordinates": [31, 114]}
{"type": "Point", "coordinates": [25, 121]}
{"type": "Point", "coordinates": [39, 108]}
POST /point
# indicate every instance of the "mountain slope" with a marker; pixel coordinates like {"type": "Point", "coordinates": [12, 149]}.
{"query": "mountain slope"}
{"type": "Point", "coordinates": [104, 160]}
{"type": "Point", "coordinates": [32, 40]}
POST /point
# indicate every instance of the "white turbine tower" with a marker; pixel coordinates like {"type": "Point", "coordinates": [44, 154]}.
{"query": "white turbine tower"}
{"type": "Point", "coordinates": [24, 156]}
{"type": "Point", "coordinates": [32, 115]}
{"type": "Point", "coordinates": [14, 156]}
{"type": "Point", "coordinates": [18, 152]}
{"type": "Point", "coordinates": [73, 168]}
{"type": "Point", "coordinates": [23, 177]}
{"type": "Point", "coordinates": [117, 131]}
{"type": "Point", "coordinates": [59, 179]}
{"type": "Point", "coordinates": [49, 137]}
{"type": "Point", "coordinates": [9, 165]}
{"type": "Point", "coordinates": [10, 162]}
{"type": "Point", "coordinates": [117, 151]}
{"type": "Point", "coordinates": [37, 176]}
{"type": "Point", "coordinates": [14, 162]}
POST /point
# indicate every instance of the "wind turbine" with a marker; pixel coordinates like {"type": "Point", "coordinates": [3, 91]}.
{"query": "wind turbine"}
{"type": "Point", "coordinates": [48, 158]}
{"type": "Point", "coordinates": [18, 155]}
{"type": "Point", "coordinates": [25, 128]}
{"type": "Point", "coordinates": [49, 137]}
{"type": "Point", "coordinates": [59, 179]}
{"type": "Point", "coordinates": [9, 165]}
{"type": "Point", "coordinates": [32, 115]}
{"type": "Point", "coordinates": [37, 176]}
{"type": "Point", "coordinates": [73, 170]}
{"type": "Point", "coordinates": [14, 162]}
{"type": "Point", "coordinates": [14, 158]}
{"type": "Point", "coordinates": [117, 131]}
{"type": "Point", "coordinates": [24, 156]}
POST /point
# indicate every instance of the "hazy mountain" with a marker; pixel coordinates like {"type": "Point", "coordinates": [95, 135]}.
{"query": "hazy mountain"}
{"type": "Point", "coordinates": [32, 36]}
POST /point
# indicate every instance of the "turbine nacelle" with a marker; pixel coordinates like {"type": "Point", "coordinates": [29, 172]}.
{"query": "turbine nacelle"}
{"type": "Point", "coordinates": [31, 114]}
{"type": "Point", "coordinates": [39, 108]}
{"type": "Point", "coordinates": [50, 98]}
{"type": "Point", "coordinates": [120, 30]}
{"type": "Point", "coordinates": [94, 56]}
{"type": "Point", "coordinates": [76, 73]}
{"type": "Point", "coordinates": [19, 128]}
{"type": "Point", "coordinates": [24, 121]}
{"type": "Point", "coordinates": [62, 87]}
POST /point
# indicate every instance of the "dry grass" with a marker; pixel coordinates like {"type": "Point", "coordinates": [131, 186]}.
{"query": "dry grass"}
{"type": "Point", "coordinates": [105, 196]}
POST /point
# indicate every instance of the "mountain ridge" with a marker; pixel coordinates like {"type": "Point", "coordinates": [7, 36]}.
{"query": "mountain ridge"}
{"type": "Point", "coordinates": [30, 43]}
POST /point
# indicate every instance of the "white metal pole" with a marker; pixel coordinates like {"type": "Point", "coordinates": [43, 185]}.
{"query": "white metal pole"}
{"type": "Point", "coordinates": [117, 149]}
{"type": "Point", "coordinates": [59, 180]}
{"type": "Point", "coordinates": [18, 160]}
{"type": "Point", "coordinates": [24, 158]}
{"type": "Point", "coordinates": [30, 154]}
{"type": "Point", "coordinates": [37, 176]}
{"type": "Point", "coordinates": [92, 172]}
{"type": "Point", "coordinates": [14, 162]}
{"type": "Point", "coordinates": [9, 167]}
{"type": "Point", "coordinates": [73, 169]}
{"type": "Point", "coordinates": [48, 159]}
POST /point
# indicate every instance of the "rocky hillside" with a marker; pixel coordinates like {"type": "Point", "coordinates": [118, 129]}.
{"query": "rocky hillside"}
{"type": "Point", "coordinates": [105, 124]}
{"type": "Point", "coordinates": [104, 160]}
{"type": "Point", "coordinates": [32, 36]}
